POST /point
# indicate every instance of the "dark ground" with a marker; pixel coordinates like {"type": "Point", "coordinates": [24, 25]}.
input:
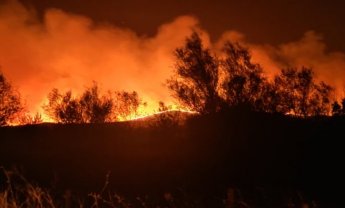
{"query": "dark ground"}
{"type": "Point", "coordinates": [270, 159]}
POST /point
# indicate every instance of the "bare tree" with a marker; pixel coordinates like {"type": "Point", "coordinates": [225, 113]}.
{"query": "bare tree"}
{"type": "Point", "coordinates": [126, 104]}
{"type": "Point", "coordinates": [338, 109]}
{"type": "Point", "coordinates": [91, 107]}
{"type": "Point", "coordinates": [244, 81]}
{"type": "Point", "coordinates": [10, 104]}
{"type": "Point", "coordinates": [206, 84]}
{"type": "Point", "coordinates": [95, 108]}
{"type": "Point", "coordinates": [300, 95]}
{"type": "Point", "coordinates": [63, 108]}
{"type": "Point", "coordinates": [196, 77]}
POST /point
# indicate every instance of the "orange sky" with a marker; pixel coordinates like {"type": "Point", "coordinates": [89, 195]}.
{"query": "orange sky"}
{"type": "Point", "coordinates": [69, 51]}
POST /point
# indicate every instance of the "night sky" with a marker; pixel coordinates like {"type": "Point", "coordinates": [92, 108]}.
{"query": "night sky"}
{"type": "Point", "coordinates": [263, 21]}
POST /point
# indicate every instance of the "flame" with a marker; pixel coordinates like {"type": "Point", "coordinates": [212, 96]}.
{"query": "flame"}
{"type": "Point", "coordinates": [145, 114]}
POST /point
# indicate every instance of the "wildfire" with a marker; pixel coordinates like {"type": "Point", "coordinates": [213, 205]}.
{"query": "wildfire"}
{"type": "Point", "coordinates": [144, 111]}
{"type": "Point", "coordinates": [68, 51]}
{"type": "Point", "coordinates": [138, 117]}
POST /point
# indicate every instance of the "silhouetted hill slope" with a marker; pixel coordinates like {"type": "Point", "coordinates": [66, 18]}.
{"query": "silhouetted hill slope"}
{"type": "Point", "coordinates": [207, 155]}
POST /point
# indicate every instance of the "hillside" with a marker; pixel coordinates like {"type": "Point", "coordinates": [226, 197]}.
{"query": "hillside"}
{"type": "Point", "coordinates": [205, 157]}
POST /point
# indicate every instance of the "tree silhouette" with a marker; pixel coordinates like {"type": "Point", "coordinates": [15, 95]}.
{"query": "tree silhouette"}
{"type": "Point", "coordinates": [10, 104]}
{"type": "Point", "coordinates": [269, 98]}
{"type": "Point", "coordinates": [95, 108]}
{"type": "Point", "coordinates": [126, 104]}
{"type": "Point", "coordinates": [338, 109]}
{"type": "Point", "coordinates": [320, 101]}
{"type": "Point", "coordinates": [196, 77]}
{"type": "Point", "coordinates": [244, 81]}
{"type": "Point", "coordinates": [63, 108]}
{"type": "Point", "coordinates": [205, 84]}
{"type": "Point", "coordinates": [89, 108]}
{"type": "Point", "coordinates": [299, 94]}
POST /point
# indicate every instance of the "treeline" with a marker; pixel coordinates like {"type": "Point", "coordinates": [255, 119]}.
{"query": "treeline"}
{"type": "Point", "coordinates": [206, 83]}
{"type": "Point", "coordinates": [63, 107]}
{"type": "Point", "coordinates": [92, 106]}
{"type": "Point", "coordinates": [202, 82]}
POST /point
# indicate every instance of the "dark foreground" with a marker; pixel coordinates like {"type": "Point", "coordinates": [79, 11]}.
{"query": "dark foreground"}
{"type": "Point", "coordinates": [259, 159]}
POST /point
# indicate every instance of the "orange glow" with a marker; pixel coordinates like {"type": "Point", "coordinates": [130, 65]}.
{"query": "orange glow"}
{"type": "Point", "coordinates": [149, 113]}
{"type": "Point", "coordinates": [68, 52]}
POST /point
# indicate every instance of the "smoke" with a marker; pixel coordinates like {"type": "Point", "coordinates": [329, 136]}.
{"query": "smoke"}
{"type": "Point", "coordinates": [309, 51]}
{"type": "Point", "coordinates": [68, 52]}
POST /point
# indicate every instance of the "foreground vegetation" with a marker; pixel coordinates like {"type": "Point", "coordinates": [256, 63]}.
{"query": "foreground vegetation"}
{"type": "Point", "coordinates": [18, 192]}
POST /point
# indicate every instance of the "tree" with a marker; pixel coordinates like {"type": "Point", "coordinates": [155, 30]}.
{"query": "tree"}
{"type": "Point", "coordinates": [27, 119]}
{"type": "Point", "coordinates": [64, 108]}
{"type": "Point", "coordinates": [10, 104]}
{"type": "Point", "coordinates": [320, 101]}
{"type": "Point", "coordinates": [126, 104]}
{"type": "Point", "coordinates": [207, 84]}
{"type": "Point", "coordinates": [92, 106]}
{"type": "Point", "coordinates": [269, 99]}
{"type": "Point", "coordinates": [95, 108]}
{"type": "Point", "coordinates": [338, 109]}
{"type": "Point", "coordinates": [89, 108]}
{"type": "Point", "coordinates": [300, 95]}
{"type": "Point", "coordinates": [196, 77]}
{"type": "Point", "coordinates": [243, 81]}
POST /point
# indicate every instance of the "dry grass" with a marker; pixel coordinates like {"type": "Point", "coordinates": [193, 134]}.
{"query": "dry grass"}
{"type": "Point", "coordinates": [17, 192]}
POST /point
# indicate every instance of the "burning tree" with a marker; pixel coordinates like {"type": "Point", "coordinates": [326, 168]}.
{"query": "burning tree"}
{"type": "Point", "coordinates": [338, 109]}
{"type": "Point", "coordinates": [96, 108]}
{"type": "Point", "coordinates": [89, 108]}
{"type": "Point", "coordinates": [63, 108]}
{"type": "Point", "coordinates": [196, 77]}
{"type": "Point", "coordinates": [207, 84]}
{"type": "Point", "coordinates": [126, 104]}
{"type": "Point", "coordinates": [10, 104]}
{"type": "Point", "coordinates": [298, 93]}
{"type": "Point", "coordinates": [243, 80]}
